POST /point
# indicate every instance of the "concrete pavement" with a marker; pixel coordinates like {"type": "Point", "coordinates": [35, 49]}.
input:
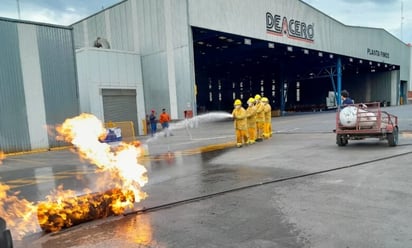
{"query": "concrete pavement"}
{"type": "Point", "coordinates": [298, 189]}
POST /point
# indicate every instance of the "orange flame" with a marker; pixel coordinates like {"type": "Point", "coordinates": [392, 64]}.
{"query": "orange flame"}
{"type": "Point", "coordinates": [84, 132]}
{"type": "Point", "coordinates": [126, 175]}
{"type": "Point", "coordinates": [19, 214]}
{"type": "Point", "coordinates": [65, 209]}
{"type": "Point", "coordinates": [2, 156]}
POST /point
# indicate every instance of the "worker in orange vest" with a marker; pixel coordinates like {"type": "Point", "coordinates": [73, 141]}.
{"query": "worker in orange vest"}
{"type": "Point", "coordinates": [164, 120]}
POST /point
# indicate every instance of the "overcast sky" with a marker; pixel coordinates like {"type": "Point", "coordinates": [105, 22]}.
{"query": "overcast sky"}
{"type": "Point", "coordinates": [385, 14]}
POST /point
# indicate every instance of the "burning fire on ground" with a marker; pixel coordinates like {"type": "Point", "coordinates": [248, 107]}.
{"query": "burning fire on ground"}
{"type": "Point", "coordinates": [2, 156]}
{"type": "Point", "coordinates": [64, 208]}
{"type": "Point", "coordinates": [19, 214]}
{"type": "Point", "coordinates": [84, 132]}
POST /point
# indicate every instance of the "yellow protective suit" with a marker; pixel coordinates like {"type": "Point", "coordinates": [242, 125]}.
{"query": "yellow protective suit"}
{"type": "Point", "coordinates": [260, 120]}
{"type": "Point", "coordinates": [251, 123]}
{"type": "Point", "coordinates": [240, 124]}
{"type": "Point", "coordinates": [267, 128]}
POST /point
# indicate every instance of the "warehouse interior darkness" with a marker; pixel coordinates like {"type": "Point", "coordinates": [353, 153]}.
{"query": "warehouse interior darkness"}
{"type": "Point", "coordinates": [229, 67]}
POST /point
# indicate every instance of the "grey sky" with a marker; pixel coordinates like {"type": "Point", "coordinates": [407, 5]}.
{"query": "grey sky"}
{"type": "Point", "coordinates": [384, 14]}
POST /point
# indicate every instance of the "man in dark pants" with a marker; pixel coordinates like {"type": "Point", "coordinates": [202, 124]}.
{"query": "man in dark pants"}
{"type": "Point", "coordinates": [153, 122]}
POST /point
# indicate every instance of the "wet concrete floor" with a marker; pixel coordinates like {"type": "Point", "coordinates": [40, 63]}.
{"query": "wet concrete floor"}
{"type": "Point", "coordinates": [297, 189]}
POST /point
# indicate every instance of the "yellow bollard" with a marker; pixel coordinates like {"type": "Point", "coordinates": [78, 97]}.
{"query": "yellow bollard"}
{"type": "Point", "coordinates": [144, 125]}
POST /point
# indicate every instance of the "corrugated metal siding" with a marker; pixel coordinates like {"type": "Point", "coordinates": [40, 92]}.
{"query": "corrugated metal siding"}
{"type": "Point", "coordinates": [182, 43]}
{"type": "Point", "coordinates": [78, 34]}
{"type": "Point", "coordinates": [96, 27]}
{"type": "Point", "coordinates": [57, 62]}
{"type": "Point", "coordinates": [121, 28]}
{"type": "Point", "coordinates": [14, 132]}
{"type": "Point", "coordinates": [151, 25]}
{"type": "Point", "coordinates": [183, 83]}
{"type": "Point", "coordinates": [114, 24]}
{"type": "Point", "coordinates": [155, 81]}
{"type": "Point", "coordinates": [181, 28]}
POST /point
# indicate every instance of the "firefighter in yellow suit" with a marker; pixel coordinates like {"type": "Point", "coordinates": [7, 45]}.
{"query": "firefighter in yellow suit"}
{"type": "Point", "coordinates": [251, 120]}
{"type": "Point", "coordinates": [267, 109]}
{"type": "Point", "coordinates": [240, 123]}
{"type": "Point", "coordinates": [260, 118]}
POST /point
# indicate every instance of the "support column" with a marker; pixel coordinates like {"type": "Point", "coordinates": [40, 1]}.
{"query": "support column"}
{"type": "Point", "coordinates": [339, 79]}
{"type": "Point", "coordinates": [171, 73]}
{"type": "Point", "coordinates": [283, 97]}
{"type": "Point", "coordinates": [33, 87]}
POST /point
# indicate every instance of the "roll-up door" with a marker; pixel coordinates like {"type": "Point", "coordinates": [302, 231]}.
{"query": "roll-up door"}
{"type": "Point", "coordinates": [120, 105]}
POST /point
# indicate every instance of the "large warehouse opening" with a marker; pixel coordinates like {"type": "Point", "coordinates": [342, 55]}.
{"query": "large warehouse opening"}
{"type": "Point", "coordinates": [229, 67]}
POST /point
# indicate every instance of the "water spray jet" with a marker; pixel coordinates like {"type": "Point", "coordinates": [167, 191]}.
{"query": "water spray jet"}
{"type": "Point", "coordinates": [194, 122]}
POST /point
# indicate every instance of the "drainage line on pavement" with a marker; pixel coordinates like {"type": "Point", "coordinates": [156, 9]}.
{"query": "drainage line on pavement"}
{"type": "Point", "coordinates": [198, 198]}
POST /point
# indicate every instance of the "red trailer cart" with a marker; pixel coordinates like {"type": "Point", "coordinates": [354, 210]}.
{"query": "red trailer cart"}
{"type": "Point", "coordinates": [365, 120]}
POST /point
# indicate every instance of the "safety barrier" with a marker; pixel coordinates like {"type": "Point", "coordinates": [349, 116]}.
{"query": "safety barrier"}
{"type": "Point", "coordinates": [276, 113]}
{"type": "Point", "coordinates": [126, 127]}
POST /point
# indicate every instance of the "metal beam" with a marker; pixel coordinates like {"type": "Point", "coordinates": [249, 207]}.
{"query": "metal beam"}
{"type": "Point", "coordinates": [339, 79]}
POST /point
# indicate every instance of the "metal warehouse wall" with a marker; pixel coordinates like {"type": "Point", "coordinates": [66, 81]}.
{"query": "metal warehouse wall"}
{"type": "Point", "coordinates": [249, 18]}
{"type": "Point", "coordinates": [158, 31]}
{"type": "Point", "coordinates": [14, 132]}
{"type": "Point", "coordinates": [103, 69]}
{"type": "Point", "coordinates": [38, 84]}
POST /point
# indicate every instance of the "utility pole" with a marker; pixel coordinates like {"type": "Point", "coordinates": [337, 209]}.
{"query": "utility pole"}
{"type": "Point", "coordinates": [18, 9]}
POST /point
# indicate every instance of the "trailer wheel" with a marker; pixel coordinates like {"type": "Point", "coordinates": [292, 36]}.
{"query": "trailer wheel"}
{"type": "Point", "coordinates": [6, 240]}
{"type": "Point", "coordinates": [2, 224]}
{"type": "Point", "coordinates": [393, 137]}
{"type": "Point", "coordinates": [341, 140]}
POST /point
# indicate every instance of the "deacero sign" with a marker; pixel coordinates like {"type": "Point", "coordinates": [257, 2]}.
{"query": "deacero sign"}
{"type": "Point", "coordinates": [293, 29]}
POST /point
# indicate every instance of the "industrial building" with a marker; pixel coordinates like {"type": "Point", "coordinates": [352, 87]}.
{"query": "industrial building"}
{"type": "Point", "coordinates": [200, 55]}
{"type": "Point", "coordinates": [38, 84]}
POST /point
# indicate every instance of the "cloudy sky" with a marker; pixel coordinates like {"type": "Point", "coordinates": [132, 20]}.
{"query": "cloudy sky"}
{"type": "Point", "coordinates": [385, 14]}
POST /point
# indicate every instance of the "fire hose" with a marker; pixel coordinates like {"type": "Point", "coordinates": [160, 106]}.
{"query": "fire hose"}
{"type": "Point", "coordinates": [6, 240]}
